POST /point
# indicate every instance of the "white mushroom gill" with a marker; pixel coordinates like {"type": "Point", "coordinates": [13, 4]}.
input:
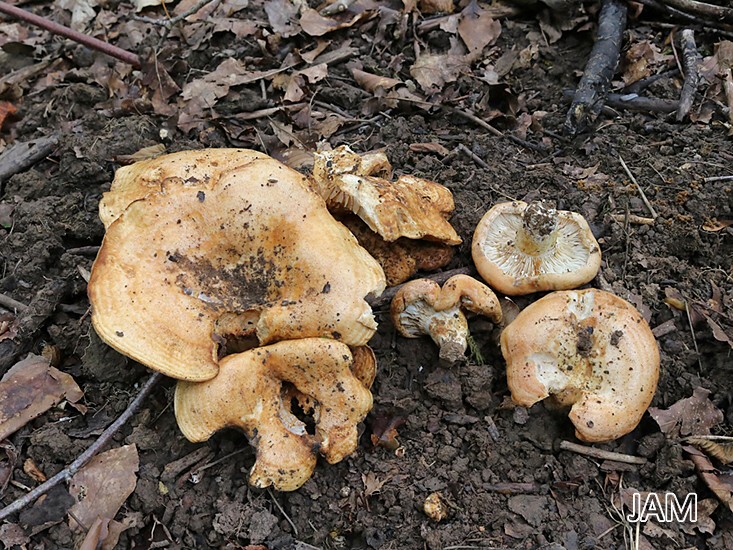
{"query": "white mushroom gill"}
{"type": "Point", "coordinates": [568, 254]}
{"type": "Point", "coordinates": [448, 328]}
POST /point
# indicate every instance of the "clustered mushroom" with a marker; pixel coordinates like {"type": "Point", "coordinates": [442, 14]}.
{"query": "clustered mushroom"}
{"type": "Point", "coordinates": [213, 252]}
{"type": "Point", "coordinates": [422, 307]}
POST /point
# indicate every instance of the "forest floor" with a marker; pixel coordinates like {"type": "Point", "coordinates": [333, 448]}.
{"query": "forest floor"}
{"type": "Point", "coordinates": [285, 80]}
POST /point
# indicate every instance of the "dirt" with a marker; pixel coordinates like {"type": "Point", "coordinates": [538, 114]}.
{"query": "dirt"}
{"type": "Point", "coordinates": [461, 436]}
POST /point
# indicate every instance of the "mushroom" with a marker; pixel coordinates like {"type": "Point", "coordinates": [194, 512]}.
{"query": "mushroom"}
{"type": "Point", "coordinates": [410, 207]}
{"type": "Point", "coordinates": [422, 307]}
{"type": "Point", "coordinates": [136, 181]}
{"type": "Point", "coordinates": [402, 258]}
{"type": "Point", "coordinates": [520, 248]}
{"type": "Point", "coordinates": [588, 349]}
{"type": "Point", "coordinates": [244, 250]}
{"type": "Point", "coordinates": [251, 393]}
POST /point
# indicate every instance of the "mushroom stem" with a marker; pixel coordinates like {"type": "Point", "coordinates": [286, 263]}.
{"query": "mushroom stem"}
{"type": "Point", "coordinates": [538, 232]}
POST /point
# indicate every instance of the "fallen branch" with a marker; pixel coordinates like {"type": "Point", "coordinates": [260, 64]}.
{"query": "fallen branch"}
{"type": "Point", "coordinates": [600, 453]}
{"type": "Point", "coordinates": [709, 11]}
{"type": "Point", "coordinates": [61, 30]}
{"type": "Point", "coordinates": [10, 303]}
{"type": "Point", "coordinates": [22, 155]}
{"type": "Point", "coordinates": [599, 70]}
{"type": "Point", "coordinates": [634, 102]}
{"type": "Point", "coordinates": [67, 473]}
{"type": "Point", "coordinates": [716, 26]}
{"type": "Point", "coordinates": [691, 60]}
{"type": "Point", "coordinates": [642, 84]}
{"type": "Point", "coordinates": [30, 320]}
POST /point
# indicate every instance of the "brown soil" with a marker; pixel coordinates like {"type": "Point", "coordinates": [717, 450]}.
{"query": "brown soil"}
{"type": "Point", "coordinates": [446, 441]}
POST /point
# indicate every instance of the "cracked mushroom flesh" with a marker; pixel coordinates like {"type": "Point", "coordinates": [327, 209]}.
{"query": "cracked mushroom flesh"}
{"type": "Point", "coordinates": [520, 248]}
{"type": "Point", "coordinates": [238, 250]}
{"type": "Point", "coordinates": [422, 307]}
{"type": "Point", "coordinates": [591, 351]}
{"type": "Point", "coordinates": [254, 390]}
{"type": "Point", "coordinates": [409, 207]}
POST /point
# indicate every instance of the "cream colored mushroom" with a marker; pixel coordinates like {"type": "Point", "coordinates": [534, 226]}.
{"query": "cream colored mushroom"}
{"type": "Point", "coordinates": [251, 392]}
{"type": "Point", "coordinates": [243, 250]}
{"type": "Point", "coordinates": [591, 351]}
{"type": "Point", "coordinates": [422, 307]}
{"type": "Point", "coordinates": [520, 248]}
{"type": "Point", "coordinates": [409, 207]}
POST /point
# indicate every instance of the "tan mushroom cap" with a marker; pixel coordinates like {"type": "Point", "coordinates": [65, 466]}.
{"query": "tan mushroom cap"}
{"type": "Point", "coordinates": [512, 263]}
{"type": "Point", "coordinates": [410, 207]}
{"type": "Point", "coordinates": [250, 252]}
{"type": "Point", "coordinates": [402, 258]}
{"type": "Point", "coordinates": [248, 394]}
{"type": "Point", "coordinates": [422, 307]}
{"type": "Point", "coordinates": [589, 349]}
{"type": "Point", "coordinates": [192, 168]}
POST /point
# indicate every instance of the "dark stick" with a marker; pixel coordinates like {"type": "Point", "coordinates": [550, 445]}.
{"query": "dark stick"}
{"type": "Point", "coordinates": [642, 84]}
{"type": "Point", "coordinates": [721, 28]}
{"type": "Point", "coordinates": [440, 278]}
{"type": "Point", "coordinates": [22, 155]}
{"type": "Point", "coordinates": [86, 40]}
{"type": "Point", "coordinates": [709, 11]}
{"type": "Point", "coordinates": [67, 473]}
{"type": "Point", "coordinates": [633, 102]}
{"type": "Point", "coordinates": [600, 68]}
{"type": "Point", "coordinates": [691, 60]}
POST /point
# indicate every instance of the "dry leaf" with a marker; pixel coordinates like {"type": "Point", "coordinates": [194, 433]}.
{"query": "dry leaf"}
{"type": "Point", "coordinates": [82, 12]}
{"type": "Point", "coordinates": [690, 416]}
{"type": "Point", "coordinates": [7, 109]}
{"type": "Point", "coordinates": [102, 486]}
{"type": "Point", "coordinates": [718, 333]}
{"type": "Point", "coordinates": [145, 153]}
{"type": "Point", "coordinates": [31, 470]}
{"type": "Point", "coordinates": [314, 24]}
{"type": "Point", "coordinates": [714, 225]}
{"type": "Point", "coordinates": [431, 147]}
{"type": "Point", "coordinates": [7, 467]}
{"type": "Point", "coordinates": [104, 533]}
{"type": "Point", "coordinates": [29, 389]}
{"type": "Point", "coordinates": [478, 29]}
{"type": "Point", "coordinates": [372, 484]}
{"type": "Point", "coordinates": [282, 16]}
{"type": "Point", "coordinates": [140, 5]}
{"type": "Point", "coordinates": [722, 451]}
{"type": "Point", "coordinates": [433, 71]}
{"type": "Point", "coordinates": [720, 484]}
{"type": "Point", "coordinates": [372, 82]}
{"type": "Point", "coordinates": [429, 7]}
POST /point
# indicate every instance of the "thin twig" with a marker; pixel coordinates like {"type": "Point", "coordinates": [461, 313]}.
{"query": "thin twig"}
{"type": "Point", "coordinates": [634, 102]}
{"type": "Point", "coordinates": [632, 218]}
{"type": "Point", "coordinates": [600, 453]}
{"type": "Point", "coordinates": [67, 473]}
{"type": "Point", "coordinates": [709, 11]}
{"type": "Point", "coordinates": [708, 24]}
{"type": "Point", "coordinates": [639, 189]}
{"type": "Point", "coordinates": [718, 178]}
{"type": "Point", "coordinates": [23, 154]}
{"type": "Point", "coordinates": [510, 488]}
{"type": "Point", "coordinates": [468, 115]}
{"type": "Point", "coordinates": [691, 60]}
{"type": "Point", "coordinates": [10, 303]}
{"type": "Point", "coordinates": [61, 30]}
{"type": "Point", "coordinates": [287, 517]}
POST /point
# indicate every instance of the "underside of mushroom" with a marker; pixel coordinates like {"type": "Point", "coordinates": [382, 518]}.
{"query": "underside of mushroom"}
{"type": "Point", "coordinates": [591, 351]}
{"type": "Point", "coordinates": [254, 391]}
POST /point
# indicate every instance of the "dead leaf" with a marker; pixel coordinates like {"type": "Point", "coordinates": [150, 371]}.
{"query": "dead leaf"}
{"type": "Point", "coordinates": [478, 29]}
{"type": "Point", "coordinates": [433, 71]}
{"type": "Point", "coordinates": [145, 153]}
{"type": "Point", "coordinates": [82, 12]}
{"type": "Point", "coordinates": [372, 82]}
{"type": "Point", "coordinates": [430, 7]}
{"type": "Point", "coordinates": [282, 15]}
{"type": "Point", "coordinates": [720, 484]}
{"type": "Point", "coordinates": [102, 486]}
{"type": "Point", "coordinates": [431, 147]}
{"type": "Point", "coordinates": [642, 59]}
{"type": "Point", "coordinates": [314, 24]}
{"type": "Point", "coordinates": [29, 389]}
{"type": "Point", "coordinates": [316, 73]}
{"type": "Point", "coordinates": [714, 225]}
{"type": "Point", "coordinates": [13, 535]}
{"type": "Point", "coordinates": [384, 430]}
{"type": "Point", "coordinates": [7, 467]}
{"type": "Point", "coordinates": [7, 110]}
{"type": "Point", "coordinates": [31, 470]}
{"type": "Point", "coordinates": [104, 533]}
{"type": "Point", "coordinates": [372, 484]}
{"type": "Point", "coordinates": [690, 416]}
{"type": "Point", "coordinates": [723, 451]}
{"type": "Point", "coordinates": [718, 333]}
{"type": "Point", "coordinates": [140, 5]}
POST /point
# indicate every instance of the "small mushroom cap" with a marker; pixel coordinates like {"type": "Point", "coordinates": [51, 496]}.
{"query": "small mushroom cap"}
{"type": "Point", "coordinates": [193, 168]}
{"type": "Point", "coordinates": [252, 252]}
{"type": "Point", "coordinates": [410, 207]}
{"type": "Point", "coordinates": [422, 307]}
{"type": "Point", "coordinates": [248, 393]}
{"type": "Point", "coordinates": [589, 349]}
{"type": "Point", "coordinates": [402, 258]}
{"type": "Point", "coordinates": [574, 259]}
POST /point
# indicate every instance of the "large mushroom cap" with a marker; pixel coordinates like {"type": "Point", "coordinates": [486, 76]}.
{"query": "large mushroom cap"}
{"type": "Point", "coordinates": [520, 249]}
{"type": "Point", "coordinates": [248, 393]}
{"type": "Point", "coordinates": [589, 349]}
{"type": "Point", "coordinates": [193, 168]}
{"type": "Point", "coordinates": [422, 307]}
{"type": "Point", "coordinates": [251, 251]}
{"type": "Point", "coordinates": [410, 207]}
